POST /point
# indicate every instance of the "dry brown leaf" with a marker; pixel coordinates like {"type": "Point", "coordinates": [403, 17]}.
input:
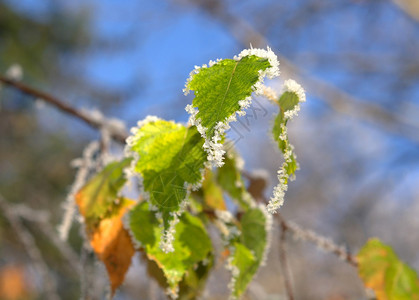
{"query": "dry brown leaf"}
{"type": "Point", "coordinates": [112, 244]}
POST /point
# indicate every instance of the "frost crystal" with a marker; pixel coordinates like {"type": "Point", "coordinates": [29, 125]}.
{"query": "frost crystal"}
{"type": "Point", "coordinates": [271, 72]}
{"type": "Point", "coordinates": [323, 243]}
{"type": "Point", "coordinates": [125, 223]}
{"type": "Point", "coordinates": [235, 272]}
{"type": "Point", "coordinates": [268, 229]}
{"type": "Point", "coordinates": [173, 294]}
{"type": "Point", "coordinates": [168, 236]}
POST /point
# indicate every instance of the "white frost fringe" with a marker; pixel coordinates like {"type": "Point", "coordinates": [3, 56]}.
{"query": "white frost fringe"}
{"type": "Point", "coordinates": [268, 229]}
{"type": "Point", "coordinates": [277, 200]}
{"type": "Point", "coordinates": [323, 243]}
{"type": "Point", "coordinates": [212, 144]}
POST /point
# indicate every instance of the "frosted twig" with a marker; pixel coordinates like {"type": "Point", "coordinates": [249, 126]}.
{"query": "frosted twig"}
{"type": "Point", "coordinates": [115, 126]}
{"type": "Point", "coordinates": [323, 243]}
{"type": "Point", "coordinates": [84, 164]}
{"type": "Point", "coordinates": [32, 249]}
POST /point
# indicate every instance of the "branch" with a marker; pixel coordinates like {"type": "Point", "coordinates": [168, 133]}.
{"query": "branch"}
{"type": "Point", "coordinates": [323, 243]}
{"type": "Point", "coordinates": [97, 123]}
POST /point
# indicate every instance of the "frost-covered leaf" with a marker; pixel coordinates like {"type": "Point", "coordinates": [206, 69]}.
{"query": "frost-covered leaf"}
{"type": "Point", "coordinates": [289, 106]}
{"type": "Point", "coordinates": [229, 177]}
{"type": "Point", "coordinates": [249, 250]}
{"type": "Point", "coordinates": [381, 270]}
{"type": "Point", "coordinates": [223, 89]}
{"type": "Point", "coordinates": [170, 160]}
{"type": "Point", "coordinates": [191, 243]}
{"type": "Point", "coordinates": [98, 198]}
{"type": "Point", "coordinates": [102, 210]}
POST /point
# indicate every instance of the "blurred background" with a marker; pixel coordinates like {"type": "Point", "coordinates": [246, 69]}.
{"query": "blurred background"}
{"type": "Point", "coordinates": [356, 137]}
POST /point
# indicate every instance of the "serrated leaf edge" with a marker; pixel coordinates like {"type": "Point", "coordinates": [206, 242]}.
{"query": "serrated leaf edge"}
{"type": "Point", "coordinates": [213, 146]}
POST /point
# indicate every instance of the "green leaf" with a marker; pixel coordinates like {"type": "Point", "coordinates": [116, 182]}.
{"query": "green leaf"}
{"type": "Point", "coordinates": [284, 145]}
{"type": "Point", "coordinates": [381, 270]}
{"type": "Point", "coordinates": [192, 243]}
{"type": "Point", "coordinates": [218, 89]}
{"type": "Point", "coordinates": [242, 265]}
{"type": "Point", "coordinates": [98, 198]}
{"type": "Point", "coordinates": [289, 105]}
{"type": "Point", "coordinates": [171, 158]}
{"type": "Point", "coordinates": [249, 251]}
{"type": "Point", "coordinates": [254, 233]}
{"type": "Point", "coordinates": [230, 179]}
{"type": "Point", "coordinates": [224, 89]}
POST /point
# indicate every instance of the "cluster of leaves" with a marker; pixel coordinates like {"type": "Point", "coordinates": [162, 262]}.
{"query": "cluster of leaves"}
{"type": "Point", "coordinates": [182, 195]}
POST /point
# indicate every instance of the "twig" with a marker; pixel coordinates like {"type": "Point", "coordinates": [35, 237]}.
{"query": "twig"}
{"type": "Point", "coordinates": [84, 165]}
{"type": "Point", "coordinates": [61, 105]}
{"type": "Point", "coordinates": [323, 243]}
{"type": "Point", "coordinates": [284, 262]}
{"type": "Point", "coordinates": [32, 249]}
